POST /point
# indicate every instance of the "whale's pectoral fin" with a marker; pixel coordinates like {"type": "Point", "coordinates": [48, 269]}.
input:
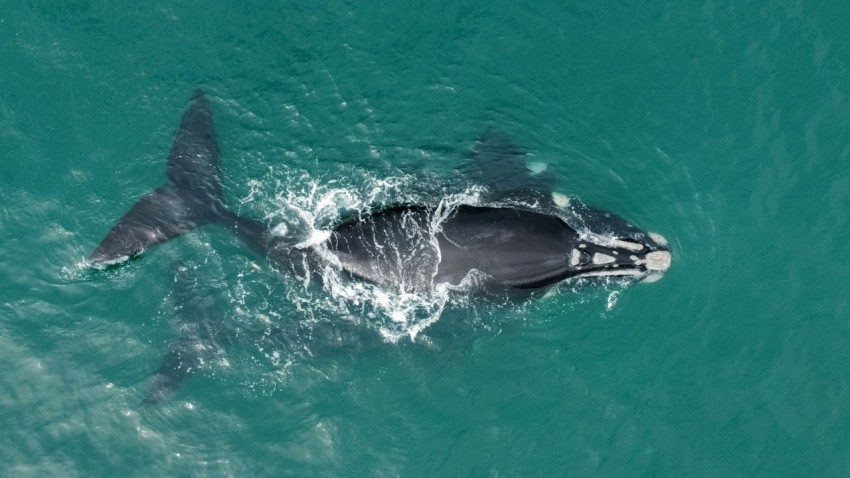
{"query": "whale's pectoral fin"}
{"type": "Point", "coordinates": [179, 362]}
{"type": "Point", "coordinates": [499, 164]}
{"type": "Point", "coordinates": [191, 200]}
{"type": "Point", "coordinates": [198, 323]}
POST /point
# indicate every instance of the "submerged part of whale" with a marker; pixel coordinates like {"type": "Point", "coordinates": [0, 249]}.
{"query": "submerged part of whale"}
{"type": "Point", "coordinates": [199, 333]}
{"type": "Point", "coordinates": [525, 236]}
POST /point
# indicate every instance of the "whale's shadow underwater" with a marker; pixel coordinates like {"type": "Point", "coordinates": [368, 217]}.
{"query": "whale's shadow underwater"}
{"type": "Point", "coordinates": [522, 236]}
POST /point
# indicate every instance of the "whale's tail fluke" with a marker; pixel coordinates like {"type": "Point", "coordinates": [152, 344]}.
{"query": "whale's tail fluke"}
{"type": "Point", "coordinates": [192, 199]}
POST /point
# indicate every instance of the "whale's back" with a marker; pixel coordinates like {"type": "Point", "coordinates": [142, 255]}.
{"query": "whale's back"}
{"type": "Point", "coordinates": [403, 248]}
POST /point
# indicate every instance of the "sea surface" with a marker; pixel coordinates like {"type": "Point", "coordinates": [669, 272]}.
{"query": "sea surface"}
{"type": "Point", "coordinates": [724, 126]}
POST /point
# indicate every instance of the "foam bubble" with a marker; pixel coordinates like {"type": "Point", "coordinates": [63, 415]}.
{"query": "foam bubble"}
{"type": "Point", "coordinates": [560, 200]}
{"type": "Point", "coordinates": [612, 299]}
{"type": "Point", "coordinates": [316, 237]}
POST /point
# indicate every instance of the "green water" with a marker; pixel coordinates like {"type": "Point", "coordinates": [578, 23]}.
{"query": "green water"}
{"type": "Point", "coordinates": [725, 126]}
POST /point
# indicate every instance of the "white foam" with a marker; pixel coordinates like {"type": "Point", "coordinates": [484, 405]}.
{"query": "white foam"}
{"type": "Point", "coordinates": [316, 237]}
{"type": "Point", "coordinates": [280, 230]}
{"type": "Point", "coordinates": [560, 200]}
{"type": "Point", "coordinates": [612, 299]}
{"type": "Point", "coordinates": [112, 262]}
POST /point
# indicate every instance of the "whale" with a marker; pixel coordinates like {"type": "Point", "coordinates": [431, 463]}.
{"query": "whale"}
{"type": "Point", "coordinates": [524, 236]}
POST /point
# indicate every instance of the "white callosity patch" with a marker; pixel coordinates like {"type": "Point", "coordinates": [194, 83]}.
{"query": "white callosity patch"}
{"type": "Point", "coordinates": [610, 242]}
{"type": "Point", "coordinates": [600, 258]}
{"type": "Point", "coordinates": [575, 255]}
{"type": "Point", "coordinates": [658, 260]}
{"type": "Point", "coordinates": [628, 245]}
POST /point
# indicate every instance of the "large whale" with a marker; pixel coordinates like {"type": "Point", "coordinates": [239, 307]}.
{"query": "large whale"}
{"type": "Point", "coordinates": [523, 237]}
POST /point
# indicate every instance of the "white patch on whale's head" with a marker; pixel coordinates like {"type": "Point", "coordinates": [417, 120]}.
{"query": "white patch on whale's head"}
{"type": "Point", "coordinates": [629, 245]}
{"type": "Point", "coordinates": [575, 256]}
{"type": "Point", "coordinates": [658, 260]}
{"type": "Point", "coordinates": [600, 258]}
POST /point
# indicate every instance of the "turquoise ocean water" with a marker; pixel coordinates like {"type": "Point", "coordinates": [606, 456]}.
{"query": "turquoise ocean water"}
{"type": "Point", "coordinates": [725, 126]}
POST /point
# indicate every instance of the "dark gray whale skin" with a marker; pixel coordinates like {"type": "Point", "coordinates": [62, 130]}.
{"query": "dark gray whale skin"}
{"type": "Point", "coordinates": [409, 247]}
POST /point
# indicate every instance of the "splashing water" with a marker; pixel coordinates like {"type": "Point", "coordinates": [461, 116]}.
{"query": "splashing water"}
{"type": "Point", "coordinates": [306, 209]}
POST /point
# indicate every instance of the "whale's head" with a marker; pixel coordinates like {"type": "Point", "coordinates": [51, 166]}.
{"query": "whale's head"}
{"type": "Point", "coordinates": [608, 246]}
{"type": "Point", "coordinates": [595, 255]}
